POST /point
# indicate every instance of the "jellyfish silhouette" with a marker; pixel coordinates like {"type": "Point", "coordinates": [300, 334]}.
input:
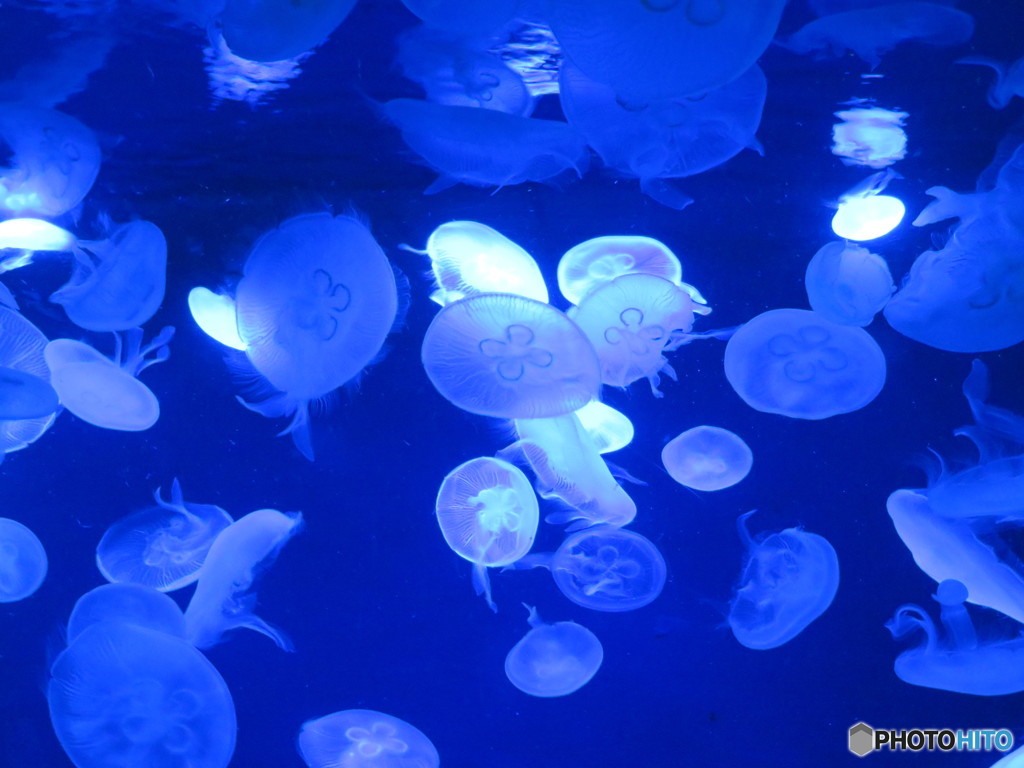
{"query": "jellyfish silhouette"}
{"type": "Point", "coordinates": [553, 659]}
{"type": "Point", "coordinates": [274, 30]}
{"type": "Point", "coordinates": [23, 563]}
{"type": "Point", "coordinates": [363, 738]}
{"type": "Point", "coordinates": [848, 284]}
{"type": "Point", "coordinates": [22, 348]}
{"type": "Point", "coordinates": [129, 604]}
{"type": "Point", "coordinates": [707, 458]}
{"type": "Point", "coordinates": [599, 260]}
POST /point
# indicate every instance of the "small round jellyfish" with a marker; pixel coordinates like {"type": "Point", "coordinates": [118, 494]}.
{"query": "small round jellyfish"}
{"type": "Point", "coordinates": [597, 261]}
{"type": "Point", "coordinates": [363, 738]}
{"type": "Point", "coordinates": [553, 659]}
{"type": "Point", "coordinates": [507, 356]}
{"type": "Point", "coordinates": [23, 561]}
{"type": "Point", "coordinates": [864, 214]}
{"type": "Point", "coordinates": [848, 284]}
{"type": "Point", "coordinates": [609, 429]}
{"type": "Point", "coordinates": [707, 458]}
{"type": "Point", "coordinates": [129, 604]}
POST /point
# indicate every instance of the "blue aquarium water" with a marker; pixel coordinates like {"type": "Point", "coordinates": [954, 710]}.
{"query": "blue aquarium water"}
{"type": "Point", "coordinates": [511, 383]}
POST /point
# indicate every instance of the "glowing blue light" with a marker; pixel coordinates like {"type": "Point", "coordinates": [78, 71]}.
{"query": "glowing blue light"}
{"type": "Point", "coordinates": [215, 315]}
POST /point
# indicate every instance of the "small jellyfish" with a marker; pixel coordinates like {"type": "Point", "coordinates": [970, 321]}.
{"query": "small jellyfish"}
{"type": "Point", "coordinates": [609, 429]}
{"type": "Point", "coordinates": [215, 314]}
{"type": "Point", "coordinates": [363, 738]}
{"type": "Point", "coordinates": [553, 659]}
{"type": "Point", "coordinates": [864, 214]}
{"type": "Point", "coordinates": [31, 235]}
{"type": "Point", "coordinates": [707, 458]}
{"type": "Point", "coordinates": [23, 561]}
{"type": "Point", "coordinates": [507, 356]}
{"type": "Point", "coordinates": [789, 579]}
{"type": "Point", "coordinates": [796, 363]}
{"type": "Point", "coordinates": [275, 30]}
{"type": "Point", "coordinates": [105, 392]}
{"type": "Point", "coordinates": [488, 514]}
{"type": "Point", "coordinates": [222, 600]}
{"type": "Point", "coordinates": [870, 136]}
{"type": "Point", "coordinates": [599, 260]}
{"type": "Point", "coordinates": [22, 348]}
{"type": "Point", "coordinates": [848, 284]}
{"type": "Point", "coordinates": [128, 604]}
{"type": "Point", "coordinates": [162, 547]}
{"type": "Point", "coordinates": [24, 396]}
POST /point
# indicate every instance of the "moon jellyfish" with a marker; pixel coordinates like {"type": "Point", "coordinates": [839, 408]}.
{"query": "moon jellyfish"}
{"type": "Point", "coordinates": [122, 694]}
{"type": "Point", "coordinates": [363, 738]}
{"type": "Point", "coordinates": [864, 214]}
{"type": "Point", "coordinates": [222, 600]}
{"type": "Point", "coordinates": [632, 321]}
{"type": "Point", "coordinates": [23, 561]}
{"type": "Point", "coordinates": [129, 604]}
{"type": "Point", "coordinates": [488, 514]}
{"type": "Point", "coordinates": [105, 392]}
{"type": "Point", "coordinates": [21, 349]}
{"type": "Point", "coordinates": [848, 284]}
{"type": "Point", "coordinates": [53, 161]}
{"type": "Point", "coordinates": [609, 429]}
{"type": "Point", "coordinates": [469, 258]}
{"type": "Point", "coordinates": [32, 235]}
{"type": "Point", "coordinates": [162, 547]}
{"type": "Point", "coordinates": [870, 136]}
{"type": "Point", "coordinates": [464, 17]}
{"type": "Point", "coordinates": [596, 262]}
{"type": "Point", "coordinates": [796, 363]}
{"type": "Point", "coordinates": [24, 396]}
{"type": "Point", "coordinates": [707, 458]}
{"type": "Point", "coordinates": [215, 314]}
{"type": "Point", "coordinates": [314, 306]}
{"type": "Point", "coordinates": [507, 356]}
{"type": "Point", "coordinates": [955, 659]}
{"type": "Point", "coordinates": [118, 283]}
{"type": "Point", "coordinates": [553, 659]}
{"type": "Point", "coordinates": [275, 30]}
{"type": "Point", "coordinates": [1009, 79]}
{"type": "Point", "coordinates": [486, 148]}
{"type": "Point", "coordinates": [789, 579]}
{"type": "Point", "coordinates": [662, 49]}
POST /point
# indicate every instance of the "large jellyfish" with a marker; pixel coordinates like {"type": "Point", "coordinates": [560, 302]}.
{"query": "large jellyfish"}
{"type": "Point", "coordinates": [610, 430]}
{"type": "Point", "coordinates": [488, 514]}
{"type": "Point", "coordinates": [314, 306]}
{"type": "Point", "coordinates": [956, 659]}
{"type": "Point", "coordinates": [53, 161]}
{"type": "Point", "coordinates": [599, 260]}
{"type": "Point", "coordinates": [507, 356]}
{"type": "Point", "coordinates": [23, 561]}
{"type": "Point", "coordinates": [25, 396]}
{"type": "Point", "coordinates": [274, 30]}
{"type": "Point", "coordinates": [707, 458]}
{"type": "Point", "coordinates": [848, 284]}
{"type": "Point", "coordinates": [162, 547]}
{"type": "Point", "coordinates": [129, 604]}
{"type": "Point", "coordinates": [363, 738]}
{"type": "Point", "coordinates": [222, 600]}
{"type": "Point", "coordinates": [486, 148]}
{"type": "Point", "coordinates": [118, 283]}
{"type": "Point", "coordinates": [789, 579]}
{"type": "Point", "coordinates": [122, 694]}
{"type": "Point", "coordinates": [553, 659]}
{"type": "Point", "coordinates": [663, 48]}
{"type": "Point", "coordinates": [21, 349]}
{"type": "Point", "coordinates": [796, 363]}
{"type": "Point", "coordinates": [105, 392]}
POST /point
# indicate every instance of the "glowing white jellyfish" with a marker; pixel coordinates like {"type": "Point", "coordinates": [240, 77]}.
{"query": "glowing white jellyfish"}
{"type": "Point", "coordinates": [599, 260]}
{"type": "Point", "coordinates": [707, 458]}
{"type": "Point", "coordinates": [870, 136]}
{"type": "Point", "coordinates": [363, 738]}
{"type": "Point", "coordinates": [848, 284]}
{"type": "Point", "coordinates": [23, 562]}
{"type": "Point", "coordinates": [29, 234]}
{"type": "Point", "coordinates": [864, 214]}
{"type": "Point", "coordinates": [215, 314]}
{"type": "Point", "coordinates": [609, 429]}
{"type": "Point", "coordinates": [553, 659]}
{"type": "Point", "coordinates": [129, 604]}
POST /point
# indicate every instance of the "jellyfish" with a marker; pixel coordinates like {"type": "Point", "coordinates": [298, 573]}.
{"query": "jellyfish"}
{"type": "Point", "coordinates": [789, 579]}
{"type": "Point", "coordinates": [1009, 79]}
{"type": "Point", "coordinates": [506, 356]}
{"type": "Point", "coordinates": [955, 659]}
{"type": "Point", "coordinates": [488, 514]}
{"type": "Point", "coordinates": [632, 321]}
{"type": "Point", "coordinates": [215, 314]}
{"type": "Point", "coordinates": [553, 659]}
{"type": "Point", "coordinates": [26, 234]}
{"type": "Point", "coordinates": [872, 32]}
{"type": "Point", "coordinates": [21, 349]}
{"type": "Point", "coordinates": [162, 547]}
{"type": "Point", "coordinates": [464, 17]}
{"type": "Point", "coordinates": [605, 568]}
{"type": "Point", "coordinates": [486, 148]}
{"type": "Point", "coordinates": [25, 396]}
{"type": "Point", "coordinates": [275, 30]}
{"type": "Point", "coordinates": [23, 561]}
{"type": "Point", "coordinates": [123, 694]}
{"type": "Point", "coordinates": [569, 468]}
{"type": "Point", "coordinates": [865, 214]}
{"type": "Point", "coordinates": [796, 363]}
{"type": "Point", "coordinates": [610, 430]}
{"type": "Point", "coordinates": [118, 283]}
{"type": "Point", "coordinates": [106, 392]}
{"type": "Point", "coordinates": [666, 138]}
{"type": "Point", "coordinates": [707, 458]}
{"type": "Point", "coordinates": [599, 260]}
{"type": "Point", "coordinates": [129, 604]}
{"type": "Point", "coordinates": [314, 306]}
{"type": "Point", "coordinates": [470, 258]}
{"type": "Point", "coordinates": [870, 136]}
{"type": "Point", "coordinates": [53, 161]}
{"type": "Point", "coordinates": [222, 600]}
{"type": "Point", "coordinates": [363, 738]}
{"type": "Point", "coordinates": [848, 284]}
{"type": "Point", "coordinates": [663, 48]}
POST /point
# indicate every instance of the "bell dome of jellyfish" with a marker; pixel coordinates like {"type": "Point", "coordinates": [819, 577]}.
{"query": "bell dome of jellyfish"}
{"type": "Point", "coordinates": [363, 738]}
{"type": "Point", "coordinates": [122, 694]}
{"type": "Point", "coordinates": [21, 349]}
{"type": "Point", "coordinates": [599, 260]}
{"type": "Point", "coordinates": [275, 30]}
{"type": "Point", "coordinates": [789, 579]}
{"type": "Point", "coordinates": [24, 396]}
{"type": "Point", "coordinates": [127, 603]}
{"type": "Point", "coordinates": [707, 458]}
{"type": "Point", "coordinates": [162, 547]}
{"type": "Point", "coordinates": [553, 659]}
{"type": "Point", "coordinates": [610, 430]}
{"type": "Point", "coordinates": [848, 284]}
{"type": "Point", "coordinates": [507, 356]}
{"type": "Point", "coordinates": [796, 363]}
{"type": "Point", "coordinates": [23, 563]}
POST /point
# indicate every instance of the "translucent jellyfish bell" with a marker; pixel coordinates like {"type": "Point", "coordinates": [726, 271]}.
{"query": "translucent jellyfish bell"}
{"type": "Point", "coordinates": [128, 604]}
{"type": "Point", "coordinates": [870, 136]}
{"type": "Point", "coordinates": [23, 563]}
{"type": "Point", "coordinates": [22, 348]}
{"type": "Point", "coordinates": [33, 235]}
{"type": "Point", "coordinates": [707, 458]}
{"type": "Point", "coordinates": [598, 261]}
{"type": "Point", "coordinates": [24, 396]}
{"type": "Point", "coordinates": [553, 659]}
{"type": "Point", "coordinates": [363, 738]}
{"type": "Point", "coordinates": [864, 214]}
{"type": "Point", "coordinates": [275, 30]}
{"type": "Point", "coordinates": [609, 429]}
{"type": "Point", "coordinates": [848, 284]}
{"type": "Point", "coordinates": [215, 314]}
